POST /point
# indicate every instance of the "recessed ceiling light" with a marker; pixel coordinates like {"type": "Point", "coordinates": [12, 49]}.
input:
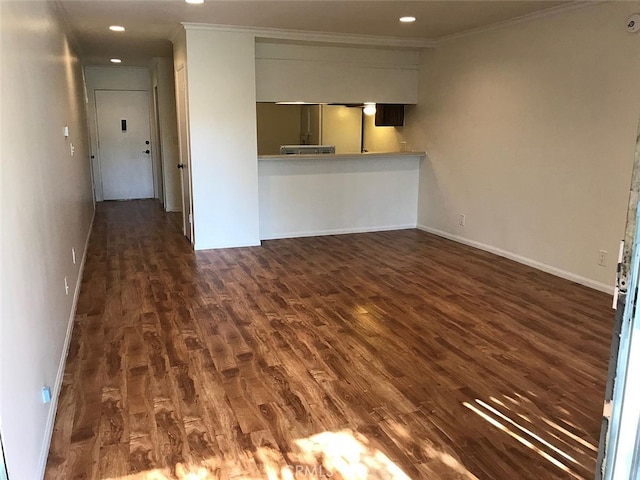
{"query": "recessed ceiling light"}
{"type": "Point", "coordinates": [116, 60]}
{"type": "Point", "coordinates": [116, 28]}
{"type": "Point", "coordinates": [407, 19]}
{"type": "Point", "coordinates": [194, 1]}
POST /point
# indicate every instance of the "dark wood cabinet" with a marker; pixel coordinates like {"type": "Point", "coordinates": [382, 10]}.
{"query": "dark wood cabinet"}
{"type": "Point", "coordinates": [389, 115]}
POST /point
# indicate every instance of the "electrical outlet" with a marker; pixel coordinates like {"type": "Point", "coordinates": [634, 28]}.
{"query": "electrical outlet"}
{"type": "Point", "coordinates": [73, 150]}
{"type": "Point", "coordinates": [462, 220]}
{"type": "Point", "coordinates": [46, 394]}
{"type": "Point", "coordinates": [66, 286]}
{"type": "Point", "coordinates": [73, 254]}
{"type": "Point", "coordinates": [602, 258]}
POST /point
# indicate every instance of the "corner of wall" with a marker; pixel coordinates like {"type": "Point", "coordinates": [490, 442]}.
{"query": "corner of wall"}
{"type": "Point", "coordinates": [512, 119]}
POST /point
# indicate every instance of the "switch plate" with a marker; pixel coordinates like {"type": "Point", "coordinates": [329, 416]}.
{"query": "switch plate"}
{"type": "Point", "coordinates": [66, 286]}
{"type": "Point", "coordinates": [73, 255]}
{"type": "Point", "coordinates": [66, 131]}
{"type": "Point", "coordinates": [602, 258]}
{"type": "Point", "coordinates": [462, 220]}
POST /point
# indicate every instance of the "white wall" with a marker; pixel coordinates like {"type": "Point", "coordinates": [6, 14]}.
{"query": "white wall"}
{"type": "Point", "coordinates": [380, 139]}
{"type": "Point", "coordinates": [346, 194]}
{"type": "Point", "coordinates": [342, 127]}
{"type": "Point", "coordinates": [530, 131]}
{"type": "Point", "coordinates": [47, 210]}
{"type": "Point", "coordinates": [162, 77]}
{"type": "Point", "coordinates": [222, 117]}
{"type": "Point", "coordinates": [112, 78]}
{"type": "Point", "coordinates": [277, 125]}
{"type": "Point", "coordinates": [335, 74]}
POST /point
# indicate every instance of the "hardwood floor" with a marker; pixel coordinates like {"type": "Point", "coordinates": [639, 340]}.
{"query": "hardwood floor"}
{"type": "Point", "coordinates": [382, 355]}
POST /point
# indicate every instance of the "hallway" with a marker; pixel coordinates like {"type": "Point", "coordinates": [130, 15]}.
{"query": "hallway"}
{"type": "Point", "coordinates": [381, 353]}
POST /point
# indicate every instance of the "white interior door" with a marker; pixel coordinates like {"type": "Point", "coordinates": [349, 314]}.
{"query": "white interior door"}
{"type": "Point", "coordinates": [185, 154]}
{"type": "Point", "coordinates": [124, 144]}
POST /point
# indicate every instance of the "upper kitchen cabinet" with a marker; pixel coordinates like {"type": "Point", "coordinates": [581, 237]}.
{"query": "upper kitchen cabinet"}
{"type": "Point", "coordinates": [335, 74]}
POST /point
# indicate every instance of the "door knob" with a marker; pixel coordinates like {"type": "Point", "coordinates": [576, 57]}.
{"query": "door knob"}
{"type": "Point", "coordinates": [181, 165]}
{"type": "Point", "coordinates": [147, 151]}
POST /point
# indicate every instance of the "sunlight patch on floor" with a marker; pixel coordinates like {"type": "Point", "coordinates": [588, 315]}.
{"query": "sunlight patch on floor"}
{"type": "Point", "coordinates": [528, 432]}
{"type": "Point", "coordinates": [431, 452]}
{"type": "Point", "coordinates": [571, 435]}
{"type": "Point", "coordinates": [525, 436]}
{"type": "Point", "coordinates": [344, 455]}
{"type": "Point", "coordinates": [350, 455]}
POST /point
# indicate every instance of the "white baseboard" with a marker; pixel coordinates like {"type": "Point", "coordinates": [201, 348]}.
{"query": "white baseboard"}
{"type": "Point", "coordinates": [48, 433]}
{"type": "Point", "coordinates": [173, 208]}
{"type": "Point", "coordinates": [603, 287]}
{"type": "Point", "coordinates": [205, 246]}
{"type": "Point", "coordinates": [338, 231]}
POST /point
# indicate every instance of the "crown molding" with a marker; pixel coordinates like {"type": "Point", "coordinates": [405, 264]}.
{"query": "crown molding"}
{"type": "Point", "coordinates": [548, 12]}
{"type": "Point", "coordinates": [175, 33]}
{"type": "Point", "coordinates": [61, 13]}
{"type": "Point", "coordinates": [320, 37]}
{"type": "Point", "coordinates": [307, 36]}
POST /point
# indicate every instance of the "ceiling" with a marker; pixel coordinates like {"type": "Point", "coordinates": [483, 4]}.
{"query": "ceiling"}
{"type": "Point", "coordinates": [150, 23]}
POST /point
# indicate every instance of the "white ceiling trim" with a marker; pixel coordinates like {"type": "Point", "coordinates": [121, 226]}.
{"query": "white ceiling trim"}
{"type": "Point", "coordinates": [61, 12]}
{"type": "Point", "coordinates": [322, 37]}
{"type": "Point", "coordinates": [548, 12]}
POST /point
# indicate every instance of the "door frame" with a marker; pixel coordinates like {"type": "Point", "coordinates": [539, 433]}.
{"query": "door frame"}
{"type": "Point", "coordinates": [4, 475]}
{"type": "Point", "coordinates": [622, 458]}
{"type": "Point", "coordinates": [619, 449]}
{"type": "Point", "coordinates": [110, 77]}
{"type": "Point", "coordinates": [156, 141]}
{"type": "Point", "coordinates": [188, 228]}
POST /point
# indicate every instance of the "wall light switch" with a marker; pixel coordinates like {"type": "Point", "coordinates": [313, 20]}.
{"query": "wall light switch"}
{"type": "Point", "coordinates": [602, 258]}
{"type": "Point", "coordinates": [66, 131]}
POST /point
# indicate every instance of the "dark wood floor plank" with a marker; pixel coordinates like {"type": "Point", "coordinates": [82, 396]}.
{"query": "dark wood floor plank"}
{"type": "Point", "coordinates": [399, 353]}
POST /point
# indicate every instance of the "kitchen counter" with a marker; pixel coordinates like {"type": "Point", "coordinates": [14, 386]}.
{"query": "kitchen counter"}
{"type": "Point", "coordinates": [343, 156]}
{"type": "Point", "coordinates": [309, 195]}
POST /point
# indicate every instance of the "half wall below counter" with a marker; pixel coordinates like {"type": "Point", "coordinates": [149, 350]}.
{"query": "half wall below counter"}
{"type": "Point", "coordinates": [310, 195]}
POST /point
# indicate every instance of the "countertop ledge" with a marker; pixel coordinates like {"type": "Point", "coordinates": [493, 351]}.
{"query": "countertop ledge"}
{"type": "Point", "coordinates": [342, 156]}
